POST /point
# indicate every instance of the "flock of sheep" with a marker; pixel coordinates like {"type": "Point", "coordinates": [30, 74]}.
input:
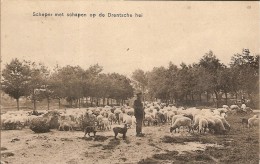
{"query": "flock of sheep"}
{"type": "Point", "coordinates": [101, 118]}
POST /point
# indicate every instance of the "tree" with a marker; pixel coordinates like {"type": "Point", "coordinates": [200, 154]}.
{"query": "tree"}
{"type": "Point", "coordinates": [140, 80]}
{"type": "Point", "coordinates": [157, 83]}
{"type": "Point", "coordinates": [171, 81]}
{"type": "Point", "coordinates": [16, 78]}
{"type": "Point", "coordinates": [121, 88]}
{"type": "Point", "coordinates": [70, 81]}
{"type": "Point", "coordinates": [212, 67]}
{"type": "Point", "coordinates": [39, 76]}
{"type": "Point", "coordinates": [245, 68]}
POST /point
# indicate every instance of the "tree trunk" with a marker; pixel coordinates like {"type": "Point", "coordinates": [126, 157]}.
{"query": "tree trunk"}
{"type": "Point", "coordinates": [216, 93]}
{"type": "Point", "coordinates": [34, 104]}
{"type": "Point", "coordinates": [79, 102]}
{"type": "Point", "coordinates": [91, 101]}
{"type": "Point", "coordinates": [207, 97]}
{"type": "Point", "coordinates": [200, 98]}
{"type": "Point", "coordinates": [17, 101]}
{"type": "Point", "coordinates": [96, 101]}
{"type": "Point", "coordinates": [107, 101]}
{"type": "Point", "coordinates": [226, 98]}
{"type": "Point", "coordinates": [70, 103]}
{"type": "Point", "coordinates": [236, 97]}
{"type": "Point", "coordinates": [48, 101]}
{"type": "Point", "coordinates": [59, 103]}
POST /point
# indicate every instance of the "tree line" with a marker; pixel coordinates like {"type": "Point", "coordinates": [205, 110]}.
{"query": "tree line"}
{"type": "Point", "coordinates": [192, 84]}
{"type": "Point", "coordinates": [208, 79]}
{"type": "Point", "coordinates": [36, 82]}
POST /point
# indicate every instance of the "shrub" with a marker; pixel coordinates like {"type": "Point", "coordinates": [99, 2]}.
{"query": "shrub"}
{"type": "Point", "coordinates": [40, 125]}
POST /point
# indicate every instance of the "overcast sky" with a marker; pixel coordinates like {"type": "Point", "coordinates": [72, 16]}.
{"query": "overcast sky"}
{"type": "Point", "coordinates": [168, 31]}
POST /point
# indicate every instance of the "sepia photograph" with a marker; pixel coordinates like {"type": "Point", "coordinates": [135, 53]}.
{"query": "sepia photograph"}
{"type": "Point", "coordinates": [129, 82]}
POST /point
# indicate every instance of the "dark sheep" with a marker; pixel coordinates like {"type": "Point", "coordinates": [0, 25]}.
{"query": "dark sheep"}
{"type": "Point", "coordinates": [120, 130]}
{"type": "Point", "coordinates": [90, 129]}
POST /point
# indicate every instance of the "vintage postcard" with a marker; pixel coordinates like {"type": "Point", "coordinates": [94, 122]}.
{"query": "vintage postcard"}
{"type": "Point", "coordinates": [87, 82]}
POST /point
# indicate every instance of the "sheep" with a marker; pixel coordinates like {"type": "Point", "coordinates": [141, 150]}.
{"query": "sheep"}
{"type": "Point", "coordinates": [133, 120]}
{"type": "Point", "coordinates": [189, 115]}
{"type": "Point", "coordinates": [224, 121]}
{"type": "Point", "coordinates": [121, 117]}
{"type": "Point", "coordinates": [174, 118]}
{"type": "Point", "coordinates": [121, 131]}
{"type": "Point", "coordinates": [112, 118]}
{"type": "Point", "coordinates": [160, 116]}
{"type": "Point", "coordinates": [148, 118]}
{"type": "Point", "coordinates": [243, 107]}
{"type": "Point", "coordinates": [127, 120]}
{"type": "Point", "coordinates": [104, 124]}
{"type": "Point", "coordinates": [211, 123]}
{"type": "Point", "coordinates": [234, 107]}
{"type": "Point", "coordinates": [225, 106]}
{"type": "Point", "coordinates": [253, 121]}
{"type": "Point", "coordinates": [196, 121]}
{"type": "Point", "coordinates": [182, 121]}
{"type": "Point", "coordinates": [65, 123]}
{"type": "Point", "coordinates": [170, 115]}
{"type": "Point", "coordinates": [219, 127]}
{"type": "Point", "coordinates": [203, 124]}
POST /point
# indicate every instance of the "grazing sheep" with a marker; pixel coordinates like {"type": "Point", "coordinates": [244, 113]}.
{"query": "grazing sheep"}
{"type": "Point", "coordinates": [120, 130]}
{"type": "Point", "coordinates": [203, 125]}
{"type": "Point", "coordinates": [65, 123]}
{"type": "Point", "coordinates": [219, 127]}
{"type": "Point", "coordinates": [160, 117]}
{"type": "Point", "coordinates": [148, 118]}
{"type": "Point", "coordinates": [188, 115]}
{"type": "Point", "coordinates": [196, 121]}
{"type": "Point", "coordinates": [174, 118]}
{"type": "Point", "coordinates": [182, 121]}
{"type": "Point", "coordinates": [105, 124]}
{"type": "Point", "coordinates": [224, 121]}
{"type": "Point", "coordinates": [112, 118]}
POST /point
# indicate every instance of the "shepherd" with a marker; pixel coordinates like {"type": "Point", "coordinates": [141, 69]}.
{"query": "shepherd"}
{"type": "Point", "coordinates": [139, 114]}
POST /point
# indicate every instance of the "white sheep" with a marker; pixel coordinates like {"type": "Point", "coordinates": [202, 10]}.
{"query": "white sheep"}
{"type": "Point", "coordinates": [234, 107]}
{"type": "Point", "coordinates": [133, 121]}
{"type": "Point", "coordinates": [175, 117]}
{"type": "Point", "coordinates": [253, 121]}
{"type": "Point", "coordinates": [104, 123]}
{"type": "Point", "coordinates": [64, 123]}
{"type": "Point", "coordinates": [181, 122]}
{"type": "Point", "coordinates": [148, 118]}
{"type": "Point", "coordinates": [203, 124]}
{"type": "Point", "coordinates": [127, 120]}
{"type": "Point", "coordinates": [225, 106]}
